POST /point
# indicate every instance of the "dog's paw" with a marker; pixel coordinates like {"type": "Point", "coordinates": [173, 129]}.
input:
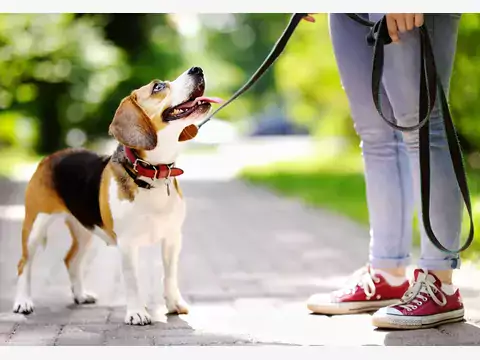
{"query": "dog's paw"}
{"type": "Point", "coordinates": [140, 317]}
{"type": "Point", "coordinates": [177, 306]}
{"type": "Point", "coordinates": [23, 306]}
{"type": "Point", "coordinates": [85, 299]}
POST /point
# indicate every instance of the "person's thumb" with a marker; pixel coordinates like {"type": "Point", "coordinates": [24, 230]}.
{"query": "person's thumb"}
{"type": "Point", "coordinates": [309, 18]}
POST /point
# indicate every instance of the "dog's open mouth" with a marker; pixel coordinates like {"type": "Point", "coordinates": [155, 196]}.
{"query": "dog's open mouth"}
{"type": "Point", "coordinates": [189, 107]}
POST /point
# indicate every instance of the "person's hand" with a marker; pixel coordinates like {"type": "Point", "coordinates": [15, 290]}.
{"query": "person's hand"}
{"type": "Point", "coordinates": [402, 23]}
{"type": "Point", "coordinates": [309, 18]}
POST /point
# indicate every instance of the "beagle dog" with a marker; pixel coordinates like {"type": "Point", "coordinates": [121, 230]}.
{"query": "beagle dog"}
{"type": "Point", "coordinates": [129, 199]}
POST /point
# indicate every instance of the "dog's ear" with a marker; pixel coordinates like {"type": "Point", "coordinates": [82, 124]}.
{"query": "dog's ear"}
{"type": "Point", "coordinates": [188, 133]}
{"type": "Point", "coordinates": [132, 127]}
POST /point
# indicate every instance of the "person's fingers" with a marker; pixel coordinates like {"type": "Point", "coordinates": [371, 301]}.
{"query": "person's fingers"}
{"type": "Point", "coordinates": [409, 21]}
{"type": "Point", "coordinates": [392, 28]}
{"type": "Point", "coordinates": [309, 18]}
{"type": "Point", "coordinates": [401, 23]}
{"type": "Point", "coordinates": [418, 20]}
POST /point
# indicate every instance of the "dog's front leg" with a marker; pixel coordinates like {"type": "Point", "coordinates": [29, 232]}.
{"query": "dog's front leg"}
{"type": "Point", "coordinates": [170, 252]}
{"type": "Point", "coordinates": [136, 312]}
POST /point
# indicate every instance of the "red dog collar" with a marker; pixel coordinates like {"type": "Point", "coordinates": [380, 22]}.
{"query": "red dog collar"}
{"type": "Point", "coordinates": [144, 168]}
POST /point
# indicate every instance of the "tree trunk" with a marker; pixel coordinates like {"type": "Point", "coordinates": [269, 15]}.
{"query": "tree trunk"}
{"type": "Point", "coordinates": [50, 130]}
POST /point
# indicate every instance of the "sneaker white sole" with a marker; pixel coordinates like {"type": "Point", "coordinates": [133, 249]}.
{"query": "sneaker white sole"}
{"type": "Point", "coordinates": [385, 321]}
{"type": "Point", "coordinates": [354, 307]}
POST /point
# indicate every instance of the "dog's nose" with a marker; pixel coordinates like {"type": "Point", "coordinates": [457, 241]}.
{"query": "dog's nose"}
{"type": "Point", "coordinates": [195, 71]}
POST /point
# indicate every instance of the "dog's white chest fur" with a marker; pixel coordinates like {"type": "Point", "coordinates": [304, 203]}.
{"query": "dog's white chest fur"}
{"type": "Point", "coordinates": [152, 216]}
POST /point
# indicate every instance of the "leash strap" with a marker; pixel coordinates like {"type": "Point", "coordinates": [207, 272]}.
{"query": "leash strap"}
{"type": "Point", "coordinates": [430, 87]}
{"type": "Point", "coordinates": [274, 54]}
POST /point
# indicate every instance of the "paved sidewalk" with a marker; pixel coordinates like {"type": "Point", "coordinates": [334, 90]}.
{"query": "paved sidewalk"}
{"type": "Point", "coordinates": [250, 259]}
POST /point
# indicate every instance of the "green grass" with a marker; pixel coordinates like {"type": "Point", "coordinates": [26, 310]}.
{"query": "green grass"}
{"type": "Point", "coordinates": [337, 183]}
{"type": "Point", "coordinates": [326, 182]}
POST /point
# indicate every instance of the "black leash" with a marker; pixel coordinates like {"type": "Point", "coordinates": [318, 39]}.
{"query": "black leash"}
{"type": "Point", "coordinates": [274, 54]}
{"type": "Point", "coordinates": [430, 87]}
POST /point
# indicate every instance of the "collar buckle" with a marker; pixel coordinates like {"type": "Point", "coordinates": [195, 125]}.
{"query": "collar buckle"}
{"type": "Point", "coordinates": [138, 160]}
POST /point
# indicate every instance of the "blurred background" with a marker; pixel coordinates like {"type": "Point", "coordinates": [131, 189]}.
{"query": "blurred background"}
{"type": "Point", "coordinates": [63, 75]}
{"type": "Point", "coordinates": [274, 184]}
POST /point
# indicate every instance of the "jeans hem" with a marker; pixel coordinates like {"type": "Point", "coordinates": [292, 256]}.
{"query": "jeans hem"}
{"type": "Point", "coordinates": [440, 264]}
{"type": "Point", "coordinates": [389, 263]}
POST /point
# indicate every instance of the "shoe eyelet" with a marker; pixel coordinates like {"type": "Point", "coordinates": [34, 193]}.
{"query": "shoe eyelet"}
{"type": "Point", "coordinates": [415, 307]}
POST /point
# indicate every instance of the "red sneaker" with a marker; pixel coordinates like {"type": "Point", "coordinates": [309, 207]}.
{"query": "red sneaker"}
{"type": "Point", "coordinates": [367, 292]}
{"type": "Point", "coordinates": [424, 305]}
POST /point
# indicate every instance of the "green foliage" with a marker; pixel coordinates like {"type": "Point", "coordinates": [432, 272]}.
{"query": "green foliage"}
{"type": "Point", "coordinates": [465, 84]}
{"type": "Point", "coordinates": [65, 74]}
{"type": "Point", "coordinates": [320, 181]}
{"type": "Point", "coordinates": [61, 72]}
{"type": "Point", "coordinates": [309, 82]}
{"type": "Point", "coordinates": [55, 70]}
{"type": "Point", "coordinates": [151, 49]}
{"type": "Point", "coordinates": [233, 46]}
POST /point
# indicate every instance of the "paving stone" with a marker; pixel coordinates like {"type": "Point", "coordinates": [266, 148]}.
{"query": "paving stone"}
{"type": "Point", "coordinates": [249, 261]}
{"type": "Point", "coordinates": [33, 334]}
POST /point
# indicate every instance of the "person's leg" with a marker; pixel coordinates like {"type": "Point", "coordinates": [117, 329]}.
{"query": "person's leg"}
{"type": "Point", "coordinates": [401, 81]}
{"type": "Point", "coordinates": [387, 175]}
{"type": "Point", "coordinates": [387, 169]}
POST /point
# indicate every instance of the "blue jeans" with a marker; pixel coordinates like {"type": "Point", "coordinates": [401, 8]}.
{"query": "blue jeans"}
{"type": "Point", "coordinates": [390, 157]}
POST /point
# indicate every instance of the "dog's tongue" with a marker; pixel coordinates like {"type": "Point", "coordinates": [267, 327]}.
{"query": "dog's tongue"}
{"type": "Point", "coordinates": [213, 100]}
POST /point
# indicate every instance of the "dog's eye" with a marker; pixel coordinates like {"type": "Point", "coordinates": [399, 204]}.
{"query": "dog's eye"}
{"type": "Point", "coordinates": [157, 87]}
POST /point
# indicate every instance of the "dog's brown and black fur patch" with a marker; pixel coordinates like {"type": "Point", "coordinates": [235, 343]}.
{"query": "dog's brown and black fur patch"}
{"type": "Point", "coordinates": [76, 176]}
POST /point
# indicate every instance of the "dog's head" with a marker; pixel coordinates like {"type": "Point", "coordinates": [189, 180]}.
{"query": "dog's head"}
{"type": "Point", "coordinates": [162, 113]}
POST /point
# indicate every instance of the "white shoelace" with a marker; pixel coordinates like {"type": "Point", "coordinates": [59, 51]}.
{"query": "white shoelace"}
{"type": "Point", "coordinates": [417, 294]}
{"type": "Point", "coordinates": [365, 279]}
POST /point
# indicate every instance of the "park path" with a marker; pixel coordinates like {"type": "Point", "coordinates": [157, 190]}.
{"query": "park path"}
{"type": "Point", "coordinates": [249, 261]}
